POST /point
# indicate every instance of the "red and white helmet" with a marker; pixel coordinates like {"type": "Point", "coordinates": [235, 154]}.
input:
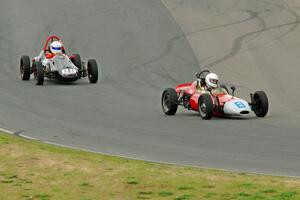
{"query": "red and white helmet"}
{"type": "Point", "coordinates": [56, 47]}
{"type": "Point", "coordinates": [212, 80]}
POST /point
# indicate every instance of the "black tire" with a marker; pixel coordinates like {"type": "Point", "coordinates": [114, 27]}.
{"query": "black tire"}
{"type": "Point", "coordinates": [76, 60]}
{"type": "Point", "coordinates": [205, 106]}
{"type": "Point", "coordinates": [260, 103]}
{"type": "Point", "coordinates": [225, 87]}
{"type": "Point", "coordinates": [39, 73]}
{"type": "Point", "coordinates": [92, 69]}
{"type": "Point", "coordinates": [25, 68]}
{"type": "Point", "coordinates": [169, 101]}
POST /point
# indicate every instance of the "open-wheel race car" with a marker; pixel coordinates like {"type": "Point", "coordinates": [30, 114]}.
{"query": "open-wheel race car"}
{"type": "Point", "coordinates": [217, 102]}
{"type": "Point", "coordinates": [54, 64]}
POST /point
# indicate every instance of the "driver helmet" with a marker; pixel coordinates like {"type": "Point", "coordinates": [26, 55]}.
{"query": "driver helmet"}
{"type": "Point", "coordinates": [211, 80]}
{"type": "Point", "coordinates": [56, 47]}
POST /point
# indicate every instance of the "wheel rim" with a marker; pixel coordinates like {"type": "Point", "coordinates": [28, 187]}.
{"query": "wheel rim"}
{"type": "Point", "coordinates": [202, 107]}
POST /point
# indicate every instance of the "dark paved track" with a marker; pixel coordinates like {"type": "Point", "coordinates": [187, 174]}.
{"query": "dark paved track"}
{"type": "Point", "coordinates": [141, 51]}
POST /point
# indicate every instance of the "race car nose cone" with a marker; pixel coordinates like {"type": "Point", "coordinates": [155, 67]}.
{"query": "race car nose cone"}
{"type": "Point", "coordinates": [244, 112]}
{"type": "Point", "coordinates": [237, 107]}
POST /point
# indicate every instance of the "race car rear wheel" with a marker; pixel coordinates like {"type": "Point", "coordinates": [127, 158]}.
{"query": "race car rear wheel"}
{"type": "Point", "coordinates": [25, 68]}
{"type": "Point", "coordinates": [205, 106]}
{"type": "Point", "coordinates": [260, 103]}
{"type": "Point", "coordinates": [169, 101]}
{"type": "Point", "coordinates": [76, 60]}
{"type": "Point", "coordinates": [92, 68]}
{"type": "Point", "coordinates": [39, 73]}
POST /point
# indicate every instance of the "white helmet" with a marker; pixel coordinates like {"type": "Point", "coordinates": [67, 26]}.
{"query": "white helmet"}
{"type": "Point", "coordinates": [211, 80]}
{"type": "Point", "coordinates": [56, 47]}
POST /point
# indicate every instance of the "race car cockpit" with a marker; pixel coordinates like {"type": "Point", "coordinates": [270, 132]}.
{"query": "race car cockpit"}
{"type": "Point", "coordinates": [48, 42]}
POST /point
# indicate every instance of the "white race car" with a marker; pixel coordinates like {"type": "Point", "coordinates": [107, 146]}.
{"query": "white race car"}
{"type": "Point", "coordinates": [58, 66]}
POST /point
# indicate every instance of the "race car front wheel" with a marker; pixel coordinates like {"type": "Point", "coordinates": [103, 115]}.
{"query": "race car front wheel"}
{"type": "Point", "coordinates": [92, 69]}
{"type": "Point", "coordinates": [39, 73]}
{"type": "Point", "coordinates": [205, 106]}
{"type": "Point", "coordinates": [260, 103]}
{"type": "Point", "coordinates": [169, 101]}
{"type": "Point", "coordinates": [25, 68]}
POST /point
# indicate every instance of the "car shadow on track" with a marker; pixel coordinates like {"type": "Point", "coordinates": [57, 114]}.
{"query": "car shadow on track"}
{"type": "Point", "coordinates": [195, 115]}
{"type": "Point", "coordinates": [57, 83]}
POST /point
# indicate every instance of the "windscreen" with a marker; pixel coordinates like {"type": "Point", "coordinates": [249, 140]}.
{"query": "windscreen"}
{"type": "Point", "coordinates": [219, 91]}
{"type": "Point", "coordinates": [60, 62]}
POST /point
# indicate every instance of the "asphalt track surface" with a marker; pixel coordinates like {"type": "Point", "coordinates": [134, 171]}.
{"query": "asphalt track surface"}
{"type": "Point", "coordinates": [143, 47]}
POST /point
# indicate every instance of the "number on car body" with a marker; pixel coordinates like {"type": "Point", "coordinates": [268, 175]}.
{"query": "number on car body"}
{"type": "Point", "coordinates": [240, 104]}
{"type": "Point", "coordinates": [68, 71]}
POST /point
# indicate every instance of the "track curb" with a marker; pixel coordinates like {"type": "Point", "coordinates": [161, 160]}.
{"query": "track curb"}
{"type": "Point", "coordinates": [6, 131]}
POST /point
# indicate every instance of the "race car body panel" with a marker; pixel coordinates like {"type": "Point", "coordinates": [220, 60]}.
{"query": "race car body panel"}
{"type": "Point", "coordinates": [237, 107]}
{"type": "Point", "coordinates": [184, 86]}
{"type": "Point", "coordinates": [194, 101]}
{"type": "Point", "coordinates": [63, 65]}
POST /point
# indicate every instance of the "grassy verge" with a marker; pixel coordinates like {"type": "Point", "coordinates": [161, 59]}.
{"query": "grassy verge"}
{"type": "Point", "coordinates": [31, 170]}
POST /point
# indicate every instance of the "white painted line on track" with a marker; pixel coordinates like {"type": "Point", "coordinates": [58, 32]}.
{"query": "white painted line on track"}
{"type": "Point", "coordinates": [28, 137]}
{"type": "Point", "coordinates": [133, 158]}
{"type": "Point", "coordinates": [153, 161]}
{"type": "Point", "coordinates": [6, 131]}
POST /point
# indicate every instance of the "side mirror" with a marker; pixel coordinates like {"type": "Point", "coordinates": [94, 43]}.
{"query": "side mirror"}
{"type": "Point", "coordinates": [197, 74]}
{"type": "Point", "coordinates": [232, 90]}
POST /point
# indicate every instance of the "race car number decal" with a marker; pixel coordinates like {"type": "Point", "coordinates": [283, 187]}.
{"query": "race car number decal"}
{"type": "Point", "coordinates": [240, 104]}
{"type": "Point", "coordinates": [68, 71]}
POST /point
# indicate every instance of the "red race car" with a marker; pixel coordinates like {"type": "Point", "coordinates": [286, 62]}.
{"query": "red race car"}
{"type": "Point", "coordinates": [212, 101]}
{"type": "Point", "coordinates": [55, 64]}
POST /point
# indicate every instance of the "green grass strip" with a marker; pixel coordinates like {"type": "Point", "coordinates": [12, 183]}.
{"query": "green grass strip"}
{"type": "Point", "coordinates": [33, 170]}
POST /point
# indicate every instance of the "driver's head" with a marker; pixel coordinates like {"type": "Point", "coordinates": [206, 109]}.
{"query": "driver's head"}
{"type": "Point", "coordinates": [211, 80]}
{"type": "Point", "coordinates": [56, 47]}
